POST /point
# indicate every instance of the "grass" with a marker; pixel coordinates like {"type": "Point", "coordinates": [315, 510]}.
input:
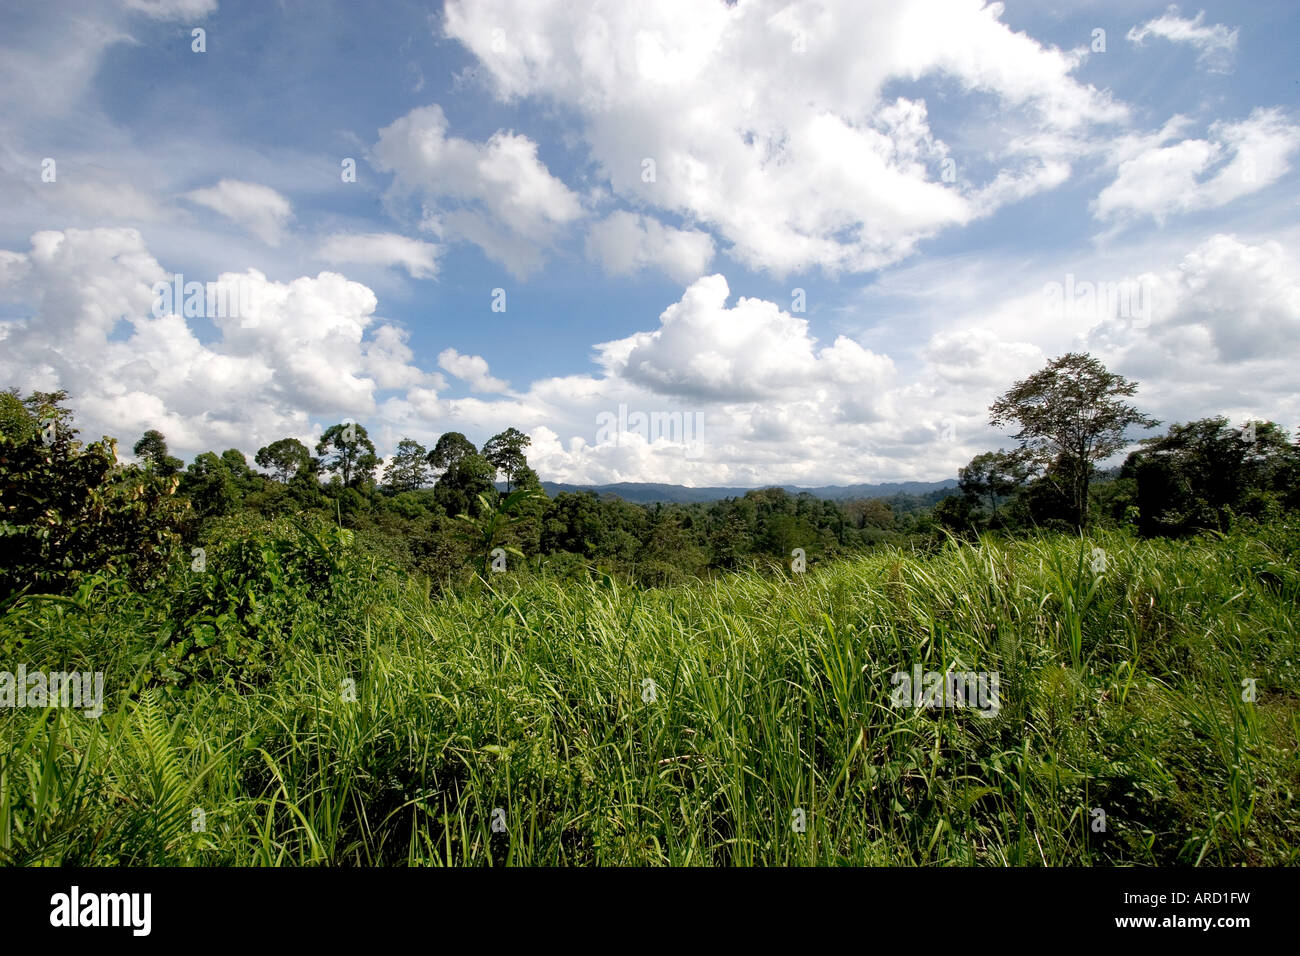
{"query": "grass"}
{"type": "Point", "coordinates": [1121, 692]}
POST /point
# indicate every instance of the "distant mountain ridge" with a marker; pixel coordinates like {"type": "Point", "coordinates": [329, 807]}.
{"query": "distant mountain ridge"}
{"type": "Point", "coordinates": [641, 492]}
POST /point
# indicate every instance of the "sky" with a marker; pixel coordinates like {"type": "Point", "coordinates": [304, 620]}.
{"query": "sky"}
{"type": "Point", "coordinates": [821, 236]}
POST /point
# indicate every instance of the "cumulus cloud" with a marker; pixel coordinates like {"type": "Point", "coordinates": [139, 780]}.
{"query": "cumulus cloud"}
{"type": "Point", "coordinates": [1239, 301]}
{"type": "Point", "coordinates": [749, 352]}
{"type": "Point", "coordinates": [259, 209]}
{"type": "Point", "coordinates": [1158, 177]}
{"type": "Point", "coordinates": [497, 194]}
{"type": "Point", "coordinates": [753, 397]}
{"type": "Point", "coordinates": [472, 369]}
{"type": "Point", "coordinates": [979, 357]}
{"type": "Point", "coordinates": [418, 258]}
{"type": "Point", "coordinates": [625, 243]}
{"type": "Point", "coordinates": [310, 347]}
{"type": "Point", "coordinates": [1216, 44]}
{"type": "Point", "coordinates": [771, 124]}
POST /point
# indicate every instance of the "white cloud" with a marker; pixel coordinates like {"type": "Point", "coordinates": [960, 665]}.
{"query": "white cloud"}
{"type": "Point", "coordinates": [306, 348]}
{"type": "Point", "coordinates": [472, 369]}
{"type": "Point", "coordinates": [706, 351]}
{"type": "Point", "coordinates": [174, 9]}
{"type": "Point", "coordinates": [979, 357]}
{"type": "Point", "coordinates": [624, 243]}
{"type": "Point", "coordinates": [498, 194]}
{"type": "Point", "coordinates": [1216, 44]}
{"type": "Point", "coordinates": [259, 209]}
{"type": "Point", "coordinates": [1240, 302]}
{"type": "Point", "coordinates": [1157, 180]}
{"type": "Point", "coordinates": [773, 404]}
{"type": "Point", "coordinates": [770, 123]}
{"type": "Point", "coordinates": [418, 258]}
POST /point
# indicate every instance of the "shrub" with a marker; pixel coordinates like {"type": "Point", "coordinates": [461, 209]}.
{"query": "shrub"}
{"type": "Point", "coordinates": [67, 510]}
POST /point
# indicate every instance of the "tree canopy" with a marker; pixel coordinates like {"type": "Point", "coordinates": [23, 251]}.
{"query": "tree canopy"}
{"type": "Point", "coordinates": [1070, 414]}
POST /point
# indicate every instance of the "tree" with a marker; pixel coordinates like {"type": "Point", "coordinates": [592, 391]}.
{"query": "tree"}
{"type": "Point", "coordinates": [450, 448]}
{"type": "Point", "coordinates": [1198, 474]}
{"type": "Point", "coordinates": [1071, 414]}
{"type": "Point", "coordinates": [210, 486]}
{"type": "Point", "coordinates": [994, 475]}
{"type": "Point", "coordinates": [347, 451]}
{"type": "Point", "coordinates": [525, 477]}
{"type": "Point", "coordinates": [409, 468]}
{"type": "Point", "coordinates": [870, 512]}
{"type": "Point", "coordinates": [954, 513]}
{"type": "Point", "coordinates": [572, 523]}
{"type": "Point", "coordinates": [237, 464]}
{"type": "Point", "coordinates": [460, 486]}
{"type": "Point", "coordinates": [23, 418]}
{"type": "Point", "coordinates": [68, 509]}
{"type": "Point", "coordinates": [506, 452]}
{"type": "Point", "coordinates": [730, 541]}
{"type": "Point", "coordinates": [284, 458]}
{"type": "Point", "coordinates": [152, 447]}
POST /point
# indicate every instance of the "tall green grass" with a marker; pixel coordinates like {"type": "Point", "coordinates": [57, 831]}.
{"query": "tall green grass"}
{"type": "Point", "coordinates": [1121, 692]}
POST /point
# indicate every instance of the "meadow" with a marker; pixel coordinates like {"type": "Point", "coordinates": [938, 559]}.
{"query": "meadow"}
{"type": "Point", "coordinates": [300, 703]}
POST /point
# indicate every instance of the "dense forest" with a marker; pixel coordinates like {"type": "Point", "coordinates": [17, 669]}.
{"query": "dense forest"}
{"type": "Point", "coordinates": [452, 510]}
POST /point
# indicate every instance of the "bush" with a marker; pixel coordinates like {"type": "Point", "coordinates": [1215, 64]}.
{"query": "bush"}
{"type": "Point", "coordinates": [251, 587]}
{"type": "Point", "coordinates": [68, 510]}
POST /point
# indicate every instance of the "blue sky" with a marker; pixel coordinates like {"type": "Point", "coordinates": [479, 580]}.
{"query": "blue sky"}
{"type": "Point", "coordinates": [924, 171]}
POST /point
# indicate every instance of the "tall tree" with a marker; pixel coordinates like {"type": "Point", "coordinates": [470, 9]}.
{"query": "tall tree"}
{"type": "Point", "coordinates": [236, 462]}
{"type": "Point", "coordinates": [210, 486]}
{"type": "Point", "coordinates": [1070, 415]}
{"type": "Point", "coordinates": [994, 475]}
{"type": "Point", "coordinates": [460, 486]}
{"type": "Point", "coordinates": [409, 467]}
{"type": "Point", "coordinates": [284, 458]}
{"type": "Point", "coordinates": [450, 448]}
{"type": "Point", "coordinates": [22, 418]}
{"type": "Point", "coordinates": [506, 452]}
{"type": "Point", "coordinates": [68, 509]}
{"type": "Point", "coordinates": [347, 451]}
{"type": "Point", "coordinates": [152, 447]}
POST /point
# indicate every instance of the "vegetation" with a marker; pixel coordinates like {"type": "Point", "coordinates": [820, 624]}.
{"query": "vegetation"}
{"type": "Point", "coordinates": [333, 671]}
{"type": "Point", "coordinates": [1121, 692]}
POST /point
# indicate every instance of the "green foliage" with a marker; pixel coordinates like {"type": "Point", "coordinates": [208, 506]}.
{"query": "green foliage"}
{"type": "Point", "coordinates": [210, 486]}
{"type": "Point", "coordinates": [256, 585]}
{"type": "Point", "coordinates": [464, 484]}
{"type": "Point", "coordinates": [485, 531]}
{"type": "Point", "coordinates": [1120, 689]}
{"type": "Point", "coordinates": [348, 453]}
{"type": "Point", "coordinates": [1200, 474]}
{"type": "Point", "coordinates": [449, 449]}
{"type": "Point", "coordinates": [409, 468]}
{"type": "Point", "coordinates": [994, 476]}
{"type": "Point", "coordinates": [285, 458]}
{"type": "Point", "coordinates": [1070, 415]}
{"type": "Point", "coordinates": [152, 447]}
{"type": "Point", "coordinates": [506, 453]}
{"type": "Point", "coordinates": [67, 509]}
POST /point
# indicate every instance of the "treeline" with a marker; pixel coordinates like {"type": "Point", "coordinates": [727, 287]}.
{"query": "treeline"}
{"type": "Point", "coordinates": [430, 511]}
{"type": "Point", "coordinates": [1199, 476]}
{"type": "Point", "coordinates": [456, 509]}
{"type": "Point", "coordinates": [441, 512]}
